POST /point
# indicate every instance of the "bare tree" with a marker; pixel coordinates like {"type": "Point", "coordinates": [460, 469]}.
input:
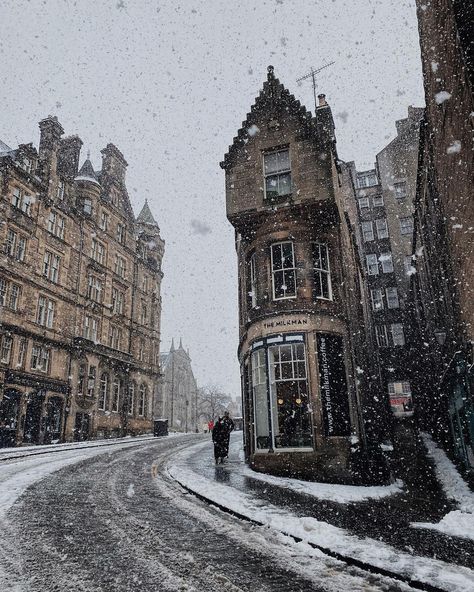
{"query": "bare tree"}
{"type": "Point", "coordinates": [211, 402]}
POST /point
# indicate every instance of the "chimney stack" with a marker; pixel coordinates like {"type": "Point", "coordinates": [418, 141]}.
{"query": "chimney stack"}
{"type": "Point", "coordinates": [50, 136]}
{"type": "Point", "coordinates": [322, 100]}
{"type": "Point", "coordinates": [113, 163]}
{"type": "Point", "coordinates": [68, 156]}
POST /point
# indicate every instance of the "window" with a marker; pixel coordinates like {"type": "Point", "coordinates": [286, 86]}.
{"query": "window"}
{"type": "Point", "coordinates": [103, 391]}
{"type": "Point", "coordinates": [386, 261]}
{"type": "Point", "coordinates": [366, 179]}
{"type": "Point", "coordinates": [364, 204]}
{"type": "Point", "coordinates": [6, 349]}
{"type": "Point", "coordinates": [372, 264]}
{"type": "Point", "coordinates": [16, 245]}
{"type": "Point", "coordinates": [14, 296]}
{"type": "Point", "coordinates": [104, 221]}
{"type": "Point", "coordinates": [40, 358]}
{"type": "Point", "coordinates": [283, 271]}
{"type": "Point", "coordinates": [98, 251]}
{"type": "Point", "coordinates": [131, 398]}
{"type": "Point", "coordinates": [400, 190]}
{"type": "Point", "coordinates": [392, 297]}
{"type": "Point", "coordinates": [382, 228]}
{"type": "Point", "coordinates": [377, 201]}
{"type": "Point", "coordinates": [22, 344]}
{"type": "Point", "coordinates": [116, 392]}
{"type": "Point", "coordinates": [115, 337]}
{"type": "Point", "coordinates": [3, 291]}
{"type": "Point", "coordinates": [141, 349]}
{"type": "Point", "coordinates": [60, 189]}
{"type": "Point", "coordinates": [94, 290]}
{"type": "Point", "coordinates": [87, 207]}
{"type": "Point", "coordinates": [91, 381]}
{"type": "Point", "coordinates": [367, 231]}
{"type": "Point", "coordinates": [81, 379]}
{"type": "Point", "coordinates": [406, 225]}
{"type": "Point", "coordinates": [142, 400]}
{"type": "Point", "coordinates": [51, 266]}
{"type": "Point", "coordinates": [121, 233]}
{"type": "Point", "coordinates": [400, 397]}
{"type": "Point", "coordinates": [408, 265]}
{"type": "Point", "coordinates": [322, 272]}
{"type": "Point", "coordinates": [252, 281]}
{"type": "Point", "coordinates": [398, 335]}
{"type": "Point", "coordinates": [145, 283]}
{"type": "Point", "coordinates": [90, 329]}
{"type": "Point", "coordinates": [45, 312]}
{"type": "Point", "coordinates": [21, 200]}
{"type": "Point", "coordinates": [377, 299]}
{"type": "Point", "coordinates": [381, 335]}
{"type": "Point", "coordinates": [120, 266]}
{"type": "Point", "coordinates": [56, 224]}
{"type": "Point", "coordinates": [118, 300]}
{"type": "Point", "coordinates": [144, 313]}
{"type": "Point", "coordinates": [289, 395]}
{"type": "Point", "coordinates": [260, 403]}
{"type": "Point", "coordinates": [277, 174]}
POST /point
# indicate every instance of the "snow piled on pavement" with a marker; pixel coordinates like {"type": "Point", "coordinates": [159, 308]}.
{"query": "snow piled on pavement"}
{"type": "Point", "coordinates": [449, 577]}
{"type": "Point", "coordinates": [459, 522]}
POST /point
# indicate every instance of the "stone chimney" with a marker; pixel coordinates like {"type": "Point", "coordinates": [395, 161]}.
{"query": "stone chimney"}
{"type": "Point", "coordinates": [114, 164]}
{"type": "Point", "coordinates": [50, 136]}
{"type": "Point", "coordinates": [68, 156]}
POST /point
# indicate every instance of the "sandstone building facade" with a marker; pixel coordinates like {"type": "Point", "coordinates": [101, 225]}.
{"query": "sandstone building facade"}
{"type": "Point", "coordinates": [383, 215]}
{"type": "Point", "coordinates": [443, 287]}
{"type": "Point", "coordinates": [80, 297]}
{"type": "Point", "coordinates": [177, 392]}
{"type": "Point", "coordinates": [301, 322]}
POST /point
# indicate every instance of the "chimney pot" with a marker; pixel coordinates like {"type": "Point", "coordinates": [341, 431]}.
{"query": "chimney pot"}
{"type": "Point", "coordinates": [322, 100]}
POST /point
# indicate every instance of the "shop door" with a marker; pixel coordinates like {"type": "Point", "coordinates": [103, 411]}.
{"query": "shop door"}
{"type": "Point", "coordinates": [32, 429]}
{"type": "Point", "coordinates": [9, 412]}
{"type": "Point", "coordinates": [81, 427]}
{"type": "Point", "coordinates": [54, 413]}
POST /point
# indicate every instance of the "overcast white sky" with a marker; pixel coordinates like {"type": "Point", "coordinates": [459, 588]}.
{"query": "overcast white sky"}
{"type": "Point", "coordinates": [170, 82]}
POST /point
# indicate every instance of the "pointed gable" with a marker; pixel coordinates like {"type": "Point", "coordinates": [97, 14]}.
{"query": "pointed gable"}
{"type": "Point", "coordinates": [274, 99]}
{"type": "Point", "coordinates": [87, 173]}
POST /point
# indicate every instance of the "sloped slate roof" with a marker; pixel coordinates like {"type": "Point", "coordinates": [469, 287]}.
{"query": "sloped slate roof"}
{"type": "Point", "coordinates": [87, 173]}
{"type": "Point", "coordinates": [145, 216]}
{"type": "Point", "coordinates": [273, 95]}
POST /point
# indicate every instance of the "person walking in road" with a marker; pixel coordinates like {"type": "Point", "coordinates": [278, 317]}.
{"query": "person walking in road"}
{"type": "Point", "coordinates": [219, 440]}
{"type": "Point", "coordinates": [210, 425]}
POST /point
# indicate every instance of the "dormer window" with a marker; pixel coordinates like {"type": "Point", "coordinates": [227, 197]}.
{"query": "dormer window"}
{"type": "Point", "coordinates": [277, 174]}
{"type": "Point", "coordinates": [27, 164]}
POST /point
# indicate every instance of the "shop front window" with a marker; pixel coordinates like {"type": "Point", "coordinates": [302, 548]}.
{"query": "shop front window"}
{"type": "Point", "coordinates": [283, 360]}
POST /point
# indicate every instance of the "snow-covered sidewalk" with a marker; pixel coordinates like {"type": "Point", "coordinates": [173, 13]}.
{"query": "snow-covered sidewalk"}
{"type": "Point", "coordinates": [445, 576]}
{"type": "Point", "coordinates": [459, 522]}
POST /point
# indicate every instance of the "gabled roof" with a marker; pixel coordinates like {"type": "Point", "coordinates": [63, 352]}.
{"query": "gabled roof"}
{"type": "Point", "coordinates": [4, 149]}
{"type": "Point", "coordinates": [146, 217]}
{"type": "Point", "coordinates": [273, 97]}
{"type": "Point", "coordinates": [87, 173]}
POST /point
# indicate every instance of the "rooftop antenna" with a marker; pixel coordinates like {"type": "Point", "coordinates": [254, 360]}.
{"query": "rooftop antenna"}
{"type": "Point", "coordinates": [312, 74]}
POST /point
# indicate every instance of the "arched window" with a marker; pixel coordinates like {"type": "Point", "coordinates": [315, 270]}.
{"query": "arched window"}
{"type": "Point", "coordinates": [142, 400]}
{"type": "Point", "coordinates": [81, 382]}
{"type": "Point", "coordinates": [131, 398]}
{"type": "Point", "coordinates": [103, 391]}
{"type": "Point", "coordinates": [116, 394]}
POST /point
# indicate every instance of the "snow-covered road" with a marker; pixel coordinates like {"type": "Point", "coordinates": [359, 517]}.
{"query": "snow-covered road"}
{"type": "Point", "coordinates": [110, 519]}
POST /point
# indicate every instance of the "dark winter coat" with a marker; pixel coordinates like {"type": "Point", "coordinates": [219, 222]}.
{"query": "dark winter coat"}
{"type": "Point", "coordinates": [221, 435]}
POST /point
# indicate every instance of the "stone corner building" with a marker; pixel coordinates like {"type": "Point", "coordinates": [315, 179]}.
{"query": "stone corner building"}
{"type": "Point", "coordinates": [301, 321]}
{"type": "Point", "coordinates": [177, 391]}
{"type": "Point", "coordinates": [80, 297]}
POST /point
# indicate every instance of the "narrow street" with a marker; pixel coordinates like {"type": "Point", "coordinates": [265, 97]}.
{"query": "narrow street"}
{"type": "Point", "coordinates": [117, 522]}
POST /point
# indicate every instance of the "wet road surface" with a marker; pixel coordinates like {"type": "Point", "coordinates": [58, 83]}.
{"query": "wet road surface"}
{"type": "Point", "coordinates": [117, 522]}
